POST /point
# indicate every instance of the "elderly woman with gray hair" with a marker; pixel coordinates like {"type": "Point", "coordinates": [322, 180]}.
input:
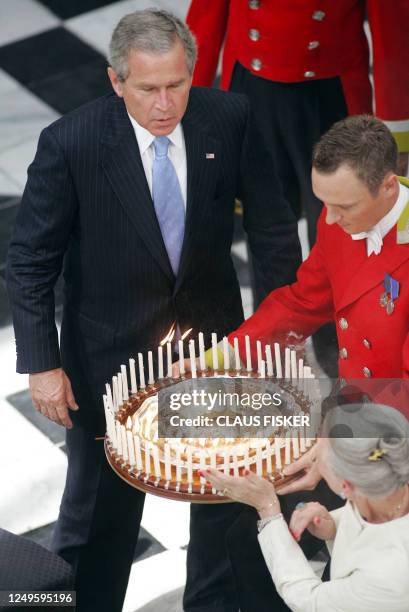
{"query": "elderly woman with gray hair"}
{"type": "Point", "coordinates": [368, 538]}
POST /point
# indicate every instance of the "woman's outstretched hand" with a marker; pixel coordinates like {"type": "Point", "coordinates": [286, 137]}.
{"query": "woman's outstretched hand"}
{"type": "Point", "coordinates": [314, 517]}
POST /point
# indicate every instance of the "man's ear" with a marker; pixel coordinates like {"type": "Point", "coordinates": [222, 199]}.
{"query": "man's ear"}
{"type": "Point", "coordinates": [390, 183]}
{"type": "Point", "coordinates": [115, 82]}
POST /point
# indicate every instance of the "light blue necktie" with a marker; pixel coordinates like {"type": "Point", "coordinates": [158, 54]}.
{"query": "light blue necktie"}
{"type": "Point", "coordinates": [168, 201]}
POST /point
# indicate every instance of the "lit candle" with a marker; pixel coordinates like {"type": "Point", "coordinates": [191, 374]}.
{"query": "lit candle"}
{"type": "Point", "coordinates": [277, 453]}
{"type": "Point", "coordinates": [269, 358]}
{"type": "Point", "coordinates": [259, 355]}
{"type": "Point", "coordinates": [269, 462]}
{"type": "Point", "coordinates": [168, 468]}
{"type": "Point", "coordinates": [141, 371]}
{"type": "Point", "coordinates": [160, 362]}
{"type": "Point", "coordinates": [151, 378]}
{"type": "Point", "coordinates": [226, 466]}
{"type": "Point", "coordinates": [287, 458]}
{"type": "Point", "coordinates": [169, 359]}
{"type": "Point", "coordinates": [124, 383]}
{"type": "Point", "coordinates": [294, 365]}
{"type": "Point", "coordinates": [131, 449]}
{"type": "Point", "coordinates": [259, 461]}
{"type": "Point", "coordinates": [277, 355]}
{"type": "Point", "coordinates": [248, 353]}
{"type": "Point", "coordinates": [138, 454]}
{"type": "Point", "coordinates": [202, 359]}
{"type": "Point", "coordinates": [192, 355]}
{"type": "Point", "coordinates": [215, 356]}
{"type": "Point", "coordinates": [202, 465]}
{"type": "Point", "coordinates": [134, 386]}
{"type": "Point", "coordinates": [178, 465]}
{"type": "Point", "coordinates": [287, 371]}
{"type": "Point", "coordinates": [226, 354]}
{"type": "Point", "coordinates": [189, 465]}
{"type": "Point", "coordinates": [181, 357]}
{"type": "Point", "coordinates": [262, 369]}
{"type": "Point", "coordinates": [120, 398]}
{"type": "Point", "coordinates": [296, 446]}
{"type": "Point", "coordinates": [156, 462]}
{"type": "Point", "coordinates": [124, 443]}
{"type": "Point", "coordinates": [147, 459]}
{"type": "Point", "coordinates": [118, 437]}
{"type": "Point", "coordinates": [236, 354]}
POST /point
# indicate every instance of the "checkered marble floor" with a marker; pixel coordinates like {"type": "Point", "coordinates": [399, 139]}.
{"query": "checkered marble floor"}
{"type": "Point", "coordinates": [52, 59]}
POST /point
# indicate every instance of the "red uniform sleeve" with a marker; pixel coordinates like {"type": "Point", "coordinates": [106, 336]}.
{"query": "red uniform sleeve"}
{"type": "Point", "coordinates": [208, 22]}
{"type": "Point", "coordinates": [292, 313]}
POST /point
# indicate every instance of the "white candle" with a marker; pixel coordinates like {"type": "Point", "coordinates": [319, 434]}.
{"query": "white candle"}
{"type": "Point", "coordinates": [294, 371]}
{"type": "Point", "coordinates": [248, 353]}
{"type": "Point", "coordinates": [215, 356]}
{"type": "Point", "coordinates": [116, 396]}
{"type": "Point", "coordinates": [181, 357]}
{"type": "Point", "coordinates": [141, 371]}
{"type": "Point", "coordinates": [235, 463]}
{"type": "Point", "coordinates": [147, 459]}
{"type": "Point", "coordinates": [202, 359]}
{"type": "Point", "coordinates": [213, 464]}
{"type": "Point", "coordinates": [236, 354]}
{"type": "Point", "coordinates": [131, 449]}
{"type": "Point", "coordinates": [246, 457]}
{"type": "Point", "coordinates": [300, 368]}
{"type": "Point", "coordinates": [134, 386]}
{"type": "Point", "coordinates": [259, 461]}
{"type": "Point", "coordinates": [138, 454]}
{"type": "Point", "coordinates": [160, 362]}
{"type": "Point", "coordinates": [287, 371]}
{"type": "Point", "coordinates": [118, 437]}
{"type": "Point", "coordinates": [269, 462]}
{"type": "Point", "coordinates": [226, 354]}
{"type": "Point", "coordinates": [262, 369]}
{"type": "Point", "coordinates": [277, 453]}
{"type": "Point", "coordinates": [178, 465]}
{"type": "Point", "coordinates": [303, 439]}
{"type": "Point", "coordinates": [287, 458]}
{"type": "Point", "coordinates": [151, 378]}
{"type": "Point", "coordinates": [109, 397]}
{"type": "Point", "coordinates": [156, 462]}
{"type": "Point", "coordinates": [189, 465]}
{"type": "Point", "coordinates": [202, 465]}
{"type": "Point", "coordinates": [169, 359]}
{"type": "Point", "coordinates": [269, 358]}
{"type": "Point", "coordinates": [259, 355]}
{"type": "Point", "coordinates": [277, 355]}
{"type": "Point", "coordinates": [226, 466]}
{"type": "Point", "coordinates": [296, 446]}
{"type": "Point", "coordinates": [124, 443]}
{"type": "Point", "coordinates": [124, 383]}
{"type": "Point", "coordinates": [192, 356]}
{"type": "Point", "coordinates": [120, 398]}
{"type": "Point", "coordinates": [168, 467]}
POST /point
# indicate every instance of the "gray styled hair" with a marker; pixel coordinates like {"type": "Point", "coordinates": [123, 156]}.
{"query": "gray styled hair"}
{"type": "Point", "coordinates": [152, 31]}
{"type": "Point", "coordinates": [354, 431]}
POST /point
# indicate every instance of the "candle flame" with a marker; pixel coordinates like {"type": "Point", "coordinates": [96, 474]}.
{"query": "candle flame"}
{"type": "Point", "coordinates": [185, 335]}
{"type": "Point", "coordinates": [169, 335]}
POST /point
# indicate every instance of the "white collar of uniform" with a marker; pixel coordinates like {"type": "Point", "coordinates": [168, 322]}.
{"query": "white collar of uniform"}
{"type": "Point", "coordinates": [145, 138]}
{"type": "Point", "coordinates": [374, 236]}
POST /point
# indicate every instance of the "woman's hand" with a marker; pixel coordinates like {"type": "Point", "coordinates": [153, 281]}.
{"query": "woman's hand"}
{"type": "Point", "coordinates": [315, 518]}
{"type": "Point", "coordinates": [249, 489]}
{"type": "Point", "coordinates": [312, 475]}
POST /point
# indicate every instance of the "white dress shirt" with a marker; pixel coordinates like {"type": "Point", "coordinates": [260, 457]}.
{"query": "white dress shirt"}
{"type": "Point", "coordinates": [374, 237]}
{"type": "Point", "coordinates": [176, 154]}
{"type": "Point", "coordinates": [369, 566]}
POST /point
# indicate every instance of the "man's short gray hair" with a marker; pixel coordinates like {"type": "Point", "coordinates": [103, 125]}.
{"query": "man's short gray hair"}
{"type": "Point", "coordinates": [382, 428]}
{"type": "Point", "coordinates": [152, 31]}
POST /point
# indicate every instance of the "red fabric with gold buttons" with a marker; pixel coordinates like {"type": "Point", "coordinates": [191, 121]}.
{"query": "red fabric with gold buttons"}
{"type": "Point", "coordinates": [301, 40]}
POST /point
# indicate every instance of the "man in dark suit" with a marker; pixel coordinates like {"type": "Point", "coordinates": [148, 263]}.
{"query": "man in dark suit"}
{"type": "Point", "coordinates": [133, 195]}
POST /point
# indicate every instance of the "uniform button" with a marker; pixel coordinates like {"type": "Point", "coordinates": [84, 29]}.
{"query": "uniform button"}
{"type": "Point", "coordinates": [313, 45]}
{"type": "Point", "coordinates": [343, 353]}
{"type": "Point", "coordinates": [254, 34]}
{"type": "Point", "coordinates": [366, 343]}
{"type": "Point", "coordinates": [256, 64]}
{"type": "Point", "coordinates": [343, 323]}
{"type": "Point", "coordinates": [254, 4]}
{"type": "Point", "coordinates": [318, 15]}
{"type": "Point", "coordinates": [342, 382]}
{"type": "Point", "coordinates": [309, 74]}
{"type": "Point", "coordinates": [367, 372]}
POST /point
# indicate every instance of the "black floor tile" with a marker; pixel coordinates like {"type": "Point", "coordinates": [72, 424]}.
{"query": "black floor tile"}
{"type": "Point", "coordinates": [22, 402]}
{"type": "Point", "coordinates": [147, 546]}
{"type": "Point", "coordinates": [58, 67]}
{"type": "Point", "coordinates": [65, 9]}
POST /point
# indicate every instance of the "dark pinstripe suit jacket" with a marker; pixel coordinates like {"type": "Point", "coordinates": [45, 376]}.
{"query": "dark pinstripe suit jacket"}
{"type": "Point", "coordinates": [87, 207]}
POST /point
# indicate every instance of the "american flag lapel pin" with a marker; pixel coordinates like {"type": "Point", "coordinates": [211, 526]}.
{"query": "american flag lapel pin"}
{"type": "Point", "coordinates": [209, 155]}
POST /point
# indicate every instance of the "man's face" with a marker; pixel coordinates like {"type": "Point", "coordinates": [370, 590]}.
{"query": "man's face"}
{"type": "Point", "coordinates": [348, 200]}
{"type": "Point", "coordinates": [156, 91]}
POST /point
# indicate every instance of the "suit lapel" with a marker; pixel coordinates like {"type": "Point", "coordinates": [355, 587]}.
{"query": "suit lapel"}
{"type": "Point", "coordinates": [122, 164]}
{"type": "Point", "coordinates": [202, 173]}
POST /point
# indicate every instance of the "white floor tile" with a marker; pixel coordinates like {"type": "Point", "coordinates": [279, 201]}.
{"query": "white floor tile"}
{"type": "Point", "coordinates": [8, 186]}
{"type": "Point", "coordinates": [32, 474]}
{"type": "Point", "coordinates": [24, 18]}
{"type": "Point", "coordinates": [155, 576]}
{"type": "Point", "coordinates": [15, 160]}
{"type": "Point", "coordinates": [96, 27]}
{"type": "Point", "coordinates": [156, 513]}
{"type": "Point", "coordinates": [10, 381]}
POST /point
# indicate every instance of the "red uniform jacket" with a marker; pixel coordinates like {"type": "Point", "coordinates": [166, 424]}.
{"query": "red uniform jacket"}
{"type": "Point", "coordinates": [300, 40]}
{"type": "Point", "coordinates": [340, 282]}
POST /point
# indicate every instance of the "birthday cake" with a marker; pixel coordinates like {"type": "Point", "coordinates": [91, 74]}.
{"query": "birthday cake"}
{"type": "Point", "coordinates": [168, 466]}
